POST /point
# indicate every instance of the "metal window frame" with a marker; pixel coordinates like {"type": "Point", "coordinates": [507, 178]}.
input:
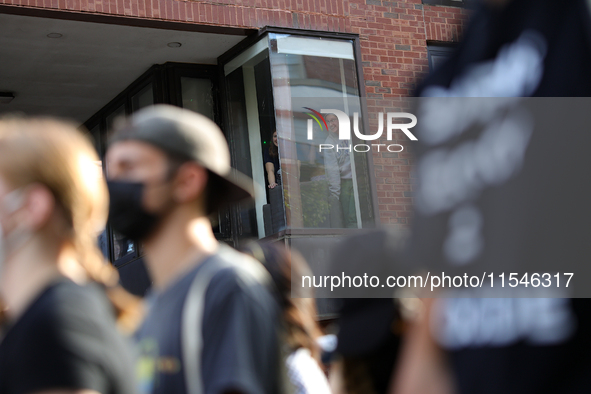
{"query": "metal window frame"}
{"type": "Point", "coordinates": [251, 40]}
{"type": "Point", "coordinates": [166, 84]}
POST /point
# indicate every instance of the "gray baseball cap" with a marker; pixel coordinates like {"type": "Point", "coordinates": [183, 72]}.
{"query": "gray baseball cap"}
{"type": "Point", "coordinates": [189, 136]}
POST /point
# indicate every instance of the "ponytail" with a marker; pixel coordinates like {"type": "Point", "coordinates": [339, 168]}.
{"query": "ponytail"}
{"type": "Point", "coordinates": [126, 306]}
{"type": "Point", "coordinates": [299, 314]}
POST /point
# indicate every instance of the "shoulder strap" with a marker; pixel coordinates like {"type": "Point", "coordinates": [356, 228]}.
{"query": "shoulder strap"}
{"type": "Point", "coordinates": [192, 323]}
{"type": "Point", "coordinates": [191, 328]}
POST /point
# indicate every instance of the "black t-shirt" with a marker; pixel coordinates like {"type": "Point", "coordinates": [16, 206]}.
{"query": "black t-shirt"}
{"type": "Point", "coordinates": [508, 191]}
{"type": "Point", "coordinates": [527, 187]}
{"type": "Point", "coordinates": [267, 158]}
{"type": "Point", "coordinates": [512, 345]}
{"type": "Point", "coordinates": [516, 345]}
{"type": "Point", "coordinates": [239, 333]}
{"type": "Point", "coordinates": [66, 339]}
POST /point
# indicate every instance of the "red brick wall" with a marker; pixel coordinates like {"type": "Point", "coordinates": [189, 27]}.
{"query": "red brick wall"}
{"type": "Point", "coordinates": [393, 38]}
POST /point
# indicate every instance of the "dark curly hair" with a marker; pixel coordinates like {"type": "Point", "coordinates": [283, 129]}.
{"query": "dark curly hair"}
{"type": "Point", "coordinates": [299, 314]}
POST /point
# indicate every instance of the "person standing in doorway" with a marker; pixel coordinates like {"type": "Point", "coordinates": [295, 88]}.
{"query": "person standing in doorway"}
{"type": "Point", "coordinates": [272, 165]}
{"type": "Point", "coordinates": [275, 192]}
{"type": "Point", "coordinates": [212, 322]}
{"type": "Point", "coordinates": [337, 163]}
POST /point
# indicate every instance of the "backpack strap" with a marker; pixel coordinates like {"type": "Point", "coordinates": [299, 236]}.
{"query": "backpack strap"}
{"type": "Point", "coordinates": [191, 327]}
{"type": "Point", "coordinates": [192, 319]}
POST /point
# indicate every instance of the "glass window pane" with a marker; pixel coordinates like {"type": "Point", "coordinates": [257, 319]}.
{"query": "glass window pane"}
{"type": "Point", "coordinates": [110, 122]}
{"type": "Point", "coordinates": [238, 132]}
{"type": "Point", "coordinates": [143, 98]}
{"type": "Point", "coordinates": [95, 132]}
{"type": "Point", "coordinates": [323, 188]}
{"type": "Point", "coordinates": [197, 95]}
{"type": "Point", "coordinates": [122, 247]}
{"type": "Point", "coordinates": [438, 55]}
{"type": "Point", "coordinates": [250, 127]}
{"type": "Point", "coordinates": [119, 112]}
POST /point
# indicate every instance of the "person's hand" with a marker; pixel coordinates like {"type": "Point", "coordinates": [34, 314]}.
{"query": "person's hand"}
{"type": "Point", "coordinates": [272, 185]}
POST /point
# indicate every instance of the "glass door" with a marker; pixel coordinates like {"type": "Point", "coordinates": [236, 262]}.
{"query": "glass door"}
{"type": "Point", "coordinates": [316, 91]}
{"type": "Point", "coordinates": [285, 86]}
{"type": "Point", "coordinates": [250, 126]}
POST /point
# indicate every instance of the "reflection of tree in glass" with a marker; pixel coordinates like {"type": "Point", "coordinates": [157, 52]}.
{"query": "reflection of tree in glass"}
{"type": "Point", "coordinates": [315, 207]}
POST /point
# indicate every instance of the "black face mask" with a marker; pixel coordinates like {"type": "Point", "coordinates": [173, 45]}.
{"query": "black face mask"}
{"type": "Point", "coordinates": [127, 216]}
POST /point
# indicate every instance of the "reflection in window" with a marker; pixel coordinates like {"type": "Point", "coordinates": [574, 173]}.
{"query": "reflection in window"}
{"type": "Point", "coordinates": [95, 134]}
{"type": "Point", "coordinates": [111, 119]}
{"type": "Point", "coordinates": [250, 126]}
{"type": "Point", "coordinates": [330, 188]}
{"type": "Point", "coordinates": [122, 246]}
{"type": "Point", "coordinates": [143, 98]}
{"type": "Point", "coordinates": [197, 95]}
{"type": "Point", "coordinates": [438, 54]}
{"type": "Point", "coordinates": [119, 112]}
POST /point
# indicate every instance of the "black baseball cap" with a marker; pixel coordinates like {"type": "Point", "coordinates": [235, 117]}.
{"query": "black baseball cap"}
{"type": "Point", "coordinates": [187, 135]}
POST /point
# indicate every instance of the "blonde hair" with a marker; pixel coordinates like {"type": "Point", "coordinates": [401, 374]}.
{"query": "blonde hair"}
{"type": "Point", "coordinates": [55, 154]}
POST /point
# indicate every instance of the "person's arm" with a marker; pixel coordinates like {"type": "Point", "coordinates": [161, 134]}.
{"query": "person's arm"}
{"type": "Point", "coordinates": [421, 368]}
{"type": "Point", "coordinates": [270, 167]}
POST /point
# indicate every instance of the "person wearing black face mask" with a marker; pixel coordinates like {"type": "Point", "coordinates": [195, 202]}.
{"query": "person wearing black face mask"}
{"type": "Point", "coordinates": [127, 214]}
{"type": "Point", "coordinates": [211, 314]}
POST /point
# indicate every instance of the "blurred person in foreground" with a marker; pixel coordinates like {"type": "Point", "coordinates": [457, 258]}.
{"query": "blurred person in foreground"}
{"type": "Point", "coordinates": [506, 219]}
{"type": "Point", "coordinates": [58, 332]}
{"type": "Point", "coordinates": [212, 324]}
{"type": "Point", "coordinates": [271, 162]}
{"type": "Point", "coordinates": [299, 317]}
{"type": "Point", "coordinates": [367, 347]}
{"type": "Point", "coordinates": [369, 327]}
